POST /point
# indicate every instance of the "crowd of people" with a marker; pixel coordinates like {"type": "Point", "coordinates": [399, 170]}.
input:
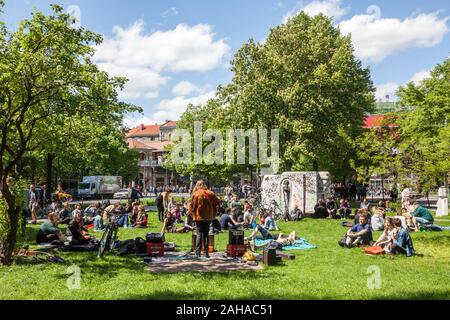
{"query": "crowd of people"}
{"type": "Point", "coordinates": [206, 213]}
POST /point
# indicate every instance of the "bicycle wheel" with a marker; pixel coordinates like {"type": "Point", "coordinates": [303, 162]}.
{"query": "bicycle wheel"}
{"type": "Point", "coordinates": [105, 241]}
{"type": "Point", "coordinates": [113, 238]}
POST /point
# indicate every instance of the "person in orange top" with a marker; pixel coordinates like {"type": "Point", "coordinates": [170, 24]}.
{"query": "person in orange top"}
{"type": "Point", "coordinates": [204, 205]}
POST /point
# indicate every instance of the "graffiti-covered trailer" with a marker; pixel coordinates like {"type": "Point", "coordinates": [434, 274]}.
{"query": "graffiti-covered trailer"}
{"type": "Point", "coordinates": [99, 186]}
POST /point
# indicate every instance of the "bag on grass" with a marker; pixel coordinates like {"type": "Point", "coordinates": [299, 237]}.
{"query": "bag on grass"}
{"type": "Point", "coordinates": [374, 250]}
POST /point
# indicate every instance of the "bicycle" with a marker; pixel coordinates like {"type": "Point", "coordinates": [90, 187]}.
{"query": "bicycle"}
{"type": "Point", "coordinates": [109, 237]}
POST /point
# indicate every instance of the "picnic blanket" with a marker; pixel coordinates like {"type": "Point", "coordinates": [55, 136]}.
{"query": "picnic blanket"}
{"type": "Point", "coordinates": [174, 262]}
{"type": "Point", "coordinates": [300, 244]}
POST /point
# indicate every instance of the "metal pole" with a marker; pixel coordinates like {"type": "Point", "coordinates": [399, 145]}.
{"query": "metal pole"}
{"type": "Point", "coordinates": [304, 194]}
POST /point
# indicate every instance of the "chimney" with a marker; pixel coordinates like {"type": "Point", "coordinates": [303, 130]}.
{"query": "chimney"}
{"type": "Point", "coordinates": [142, 126]}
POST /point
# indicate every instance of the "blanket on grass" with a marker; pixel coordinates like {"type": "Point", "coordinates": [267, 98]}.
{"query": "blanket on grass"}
{"type": "Point", "coordinates": [300, 244]}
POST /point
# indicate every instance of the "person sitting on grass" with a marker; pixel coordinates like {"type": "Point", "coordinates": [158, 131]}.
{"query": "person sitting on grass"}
{"type": "Point", "coordinates": [249, 217]}
{"type": "Point", "coordinates": [402, 243]}
{"type": "Point", "coordinates": [365, 205]}
{"type": "Point", "coordinates": [141, 218]}
{"type": "Point", "coordinates": [64, 215]}
{"type": "Point", "coordinates": [78, 232]}
{"type": "Point", "coordinates": [49, 232]}
{"type": "Point", "coordinates": [169, 225]}
{"type": "Point", "coordinates": [269, 222]}
{"type": "Point", "coordinates": [227, 221]}
{"type": "Point", "coordinates": [361, 212]}
{"type": "Point", "coordinates": [377, 220]}
{"type": "Point", "coordinates": [296, 214]}
{"type": "Point", "coordinates": [386, 240]}
{"type": "Point", "coordinates": [320, 210]}
{"type": "Point", "coordinates": [344, 209]}
{"type": "Point", "coordinates": [360, 234]}
{"type": "Point", "coordinates": [421, 216]}
{"type": "Point", "coordinates": [331, 208]}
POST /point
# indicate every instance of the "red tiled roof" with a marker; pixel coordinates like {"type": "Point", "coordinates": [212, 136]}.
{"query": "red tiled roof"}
{"type": "Point", "coordinates": [144, 130]}
{"type": "Point", "coordinates": [376, 121]}
{"type": "Point", "coordinates": [136, 144]}
{"type": "Point", "coordinates": [170, 124]}
{"type": "Point", "coordinates": [155, 146]}
{"type": "Point", "coordinates": [158, 145]}
{"type": "Point", "coordinates": [373, 121]}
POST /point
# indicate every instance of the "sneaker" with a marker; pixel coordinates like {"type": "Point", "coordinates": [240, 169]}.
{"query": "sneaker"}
{"type": "Point", "coordinates": [342, 243]}
{"type": "Point", "coordinates": [207, 256]}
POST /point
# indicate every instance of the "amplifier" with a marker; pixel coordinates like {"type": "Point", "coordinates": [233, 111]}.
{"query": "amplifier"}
{"type": "Point", "coordinates": [236, 250]}
{"type": "Point", "coordinates": [155, 237]}
{"type": "Point", "coordinates": [236, 237]}
{"type": "Point", "coordinates": [157, 248]}
{"type": "Point", "coordinates": [270, 257]}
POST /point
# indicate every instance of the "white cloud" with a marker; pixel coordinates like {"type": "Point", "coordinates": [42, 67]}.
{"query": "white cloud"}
{"type": "Point", "coordinates": [172, 12]}
{"type": "Point", "coordinates": [375, 39]}
{"type": "Point", "coordinates": [386, 89]}
{"type": "Point", "coordinates": [418, 77]}
{"type": "Point", "coordinates": [185, 88]}
{"type": "Point", "coordinates": [331, 8]}
{"type": "Point", "coordinates": [142, 82]}
{"type": "Point", "coordinates": [144, 58]}
{"type": "Point", "coordinates": [391, 87]}
{"type": "Point", "coordinates": [169, 109]}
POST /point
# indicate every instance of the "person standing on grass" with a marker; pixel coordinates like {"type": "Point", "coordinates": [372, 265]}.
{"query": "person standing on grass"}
{"type": "Point", "coordinates": [204, 205]}
{"type": "Point", "coordinates": [33, 204]}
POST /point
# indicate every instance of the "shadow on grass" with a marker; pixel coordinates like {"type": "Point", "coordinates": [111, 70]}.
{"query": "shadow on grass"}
{"type": "Point", "coordinates": [176, 295]}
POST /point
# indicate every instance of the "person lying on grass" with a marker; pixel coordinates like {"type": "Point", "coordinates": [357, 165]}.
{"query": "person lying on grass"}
{"type": "Point", "coordinates": [277, 244]}
{"type": "Point", "coordinates": [360, 234]}
{"type": "Point", "coordinates": [49, 232]}
{"type": "Point", "coordinates": [386, 240]}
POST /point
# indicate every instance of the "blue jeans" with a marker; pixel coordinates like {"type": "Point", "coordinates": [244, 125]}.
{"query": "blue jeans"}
{"type": "Point", "coordinates": [123, 220]}
{"type": "Point", "coordinates": [98, 223]}
{"type": "Point", "coordinates": [264, 232]}
{"type": "Point", "coordinates": [428, 224]}
{"type": "Point", "coordinates": [270, 224]}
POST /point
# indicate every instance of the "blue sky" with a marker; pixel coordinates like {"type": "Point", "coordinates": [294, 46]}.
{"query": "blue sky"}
{"type": "Point", "coordinates": [176, 52]}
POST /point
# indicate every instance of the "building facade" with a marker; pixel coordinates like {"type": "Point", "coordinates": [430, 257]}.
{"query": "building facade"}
{"type": "Point", "coordinates": [150, 141]}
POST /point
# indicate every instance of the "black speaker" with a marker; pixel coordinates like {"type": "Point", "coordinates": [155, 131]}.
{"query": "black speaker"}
{"type": "Point", "coordinates": [236, 237]}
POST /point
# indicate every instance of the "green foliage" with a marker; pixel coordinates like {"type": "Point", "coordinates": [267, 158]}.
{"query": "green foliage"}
{"type": "Point", "coordinates": [425, 131]}
{"type": "Point", "coordinates": [305, 81]}
{"type": "Point", "coordinates": [48, 79]}
{"type": "Point", "coordinates": [377, 151]}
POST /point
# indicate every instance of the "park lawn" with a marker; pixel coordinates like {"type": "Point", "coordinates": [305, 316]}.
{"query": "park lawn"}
{"type": "Point", "coordinates": [328, 272]}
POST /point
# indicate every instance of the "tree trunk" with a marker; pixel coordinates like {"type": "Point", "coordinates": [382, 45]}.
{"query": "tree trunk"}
{"type": "Point", "coordinates": [48, 182]}
{"type": "Point", "coordinates": [8, 239]}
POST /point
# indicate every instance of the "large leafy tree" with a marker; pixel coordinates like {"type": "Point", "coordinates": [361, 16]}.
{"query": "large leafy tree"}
{"type": "Point", "coordinates": [425, 130]}
{"type": "Point", "coordinates": [305, 81]}
{"type": "Point", "coordinates": [46, 73]}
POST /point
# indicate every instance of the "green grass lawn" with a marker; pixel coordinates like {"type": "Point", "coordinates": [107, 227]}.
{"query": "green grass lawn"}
{"type": "Point", "coordinates": [328, 272]}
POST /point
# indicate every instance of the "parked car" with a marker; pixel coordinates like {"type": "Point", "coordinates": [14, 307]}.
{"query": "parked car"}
{"type": "Point", "coordinates": [121, 194]}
